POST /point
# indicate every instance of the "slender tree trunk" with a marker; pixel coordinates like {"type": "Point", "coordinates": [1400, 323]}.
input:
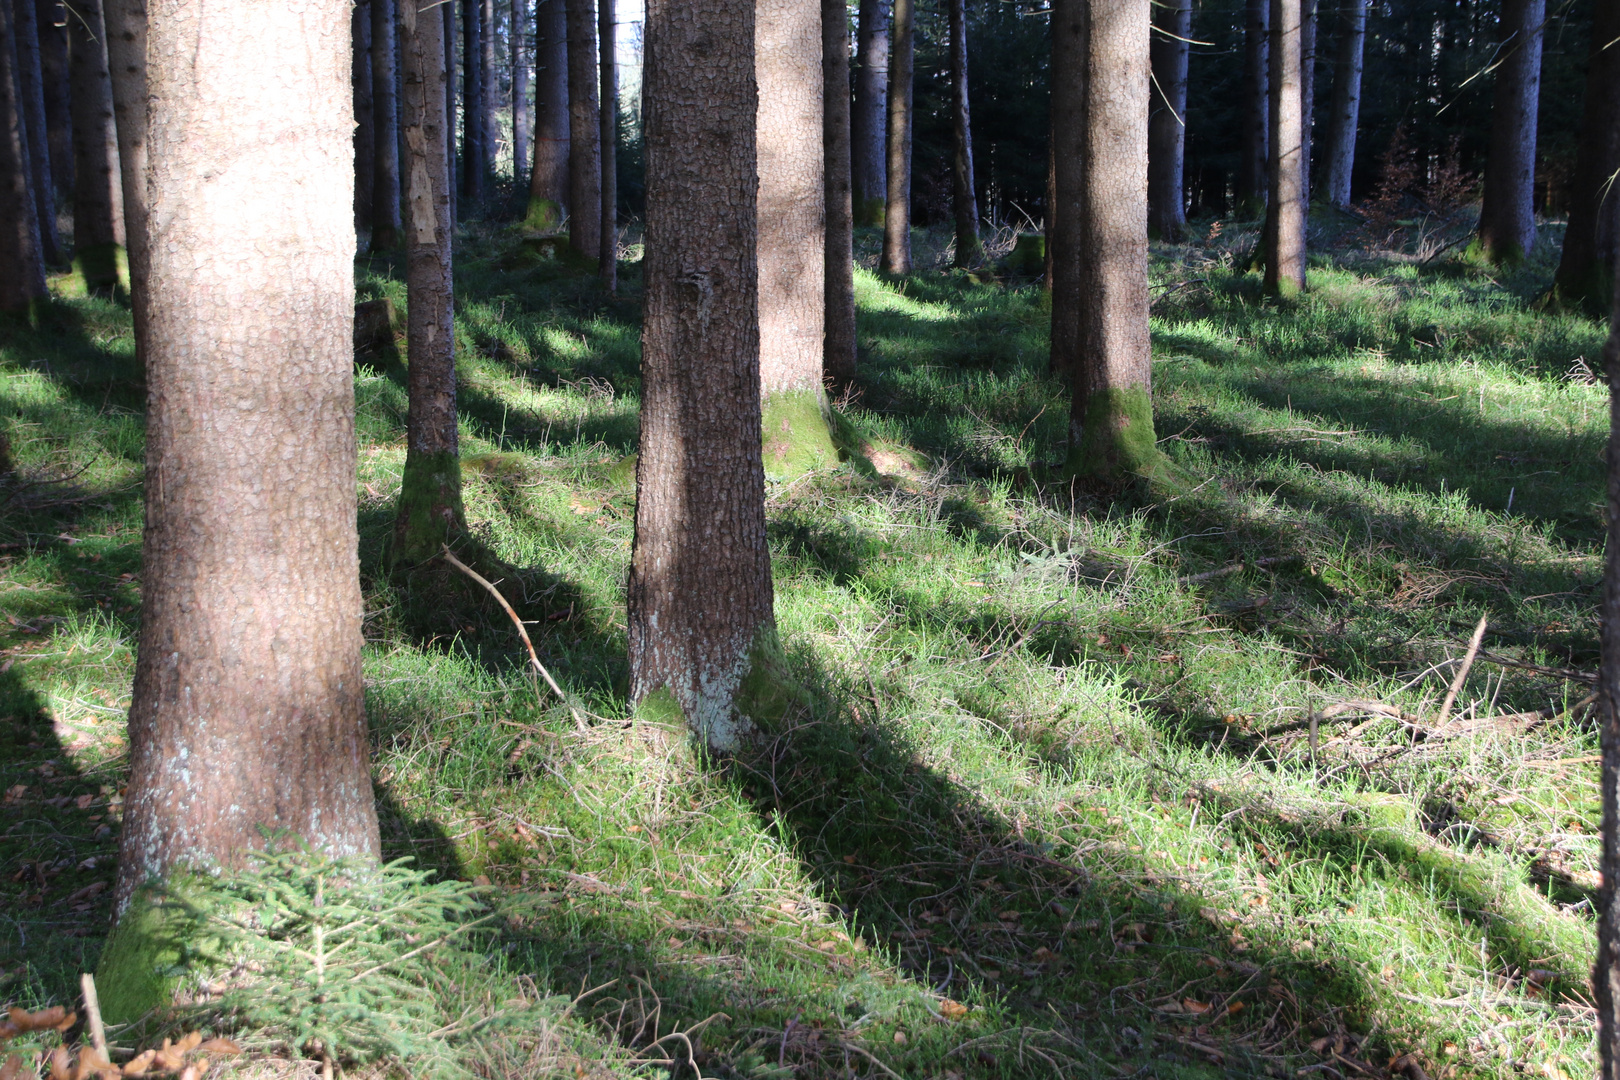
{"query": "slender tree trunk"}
{"type": "Point", "coordinates": [1049, 214]}
{"type": "Point", "coordinates": [1586, 266]}
{"type": "Point", "coordinates": [548, 183]}
{"type": "Point", "coordinates": [365, 125]}
{"type": "Point", "coordinates": [838, 352]}
{"type": "Point", "coordinates": [1285, 210]}
{"type": "Point", "coordinates": [448, 7]}
{"type": "Point", "coordinates": [1111, 421]}
{"type": "Point", "coordinates": [964, 204]}
{"type": "Point", "coordinates": [1307, 97]}
{"type": "Point", "coordinates": [50, 22]}
{"type": "Point", "coordinates": [472, 100]}
{"type": "Point", "coordinates": [897, 208]}
{"type": "Point", "coordinates": [1167, 121]}
{"type": "Point", "coordinates": [385, 183]}
{"type": "Point", "coordinates": [126, 60]}
{"type": "Point", "coordinates": [1065, 183]}
{"type": "Point", "coordinates": [1606, 972]}
{"type": "Point", "coordinates": [520, 91]}
{"type": "Point", "coordinates": [609, 112]}
{"type": "Point", "coordinates": [487, 82]}
{"type": "Point", "coordinates": [699, 593]}
{"type": "Point", "coordinates": [23, 283]}
{"type": "Point", "coordinates": [31, 91]}
{"type": "Point", "coordinates": [1341, 135]}
{"type": "Point", "coordinates": [1507, 218]}
{"type": "Point", "coordinates": [584, 132]}
{"type": "Point", "coordinates": [98, 196]}
{"type": "Point", "coordinates": [430, 510]}
{"type": "Point", "coordinates": [868, 123]}
{"type": "Point", "coordinates": [1253, 153]}
{"type": "Point", "coordinates": [249, 657]}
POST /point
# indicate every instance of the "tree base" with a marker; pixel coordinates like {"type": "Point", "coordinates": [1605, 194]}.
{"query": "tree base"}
{"type": "Point", "coordinates": [765, 696]}
{"type": "Point", "coordinates": [543, 216]}
{"type": "Point", "coordinates": [430, 512]}
{"type": "Point", "coordinates": [133, 976]}
{"type": "Point", "coordinates": [103, 267]}
{"type": "Point", "coordinates": [1482, 252]}
{"type": "Point", "coordinates": [797, 432]}
{"type": "Point", "coordinates": [869, 213]}
{"type": "Point", "coordinates": [1118, 444]}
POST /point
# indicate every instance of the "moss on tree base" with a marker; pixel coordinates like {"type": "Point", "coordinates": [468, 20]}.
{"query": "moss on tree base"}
{"type": "Point", "coordinates": [543, 216]}
{"type": "Point", "coordinates": [765, 695]}
{"type": "Point", "coordinates": [430, 512]}
{"type": "Point", "coordinates": [97, 268]}
{"type": "Point", "coordinates": [869, 213]}
{"type": "Point", "coordinates": [797, 434]}
{"type": "Point", "coordinates": [134, 976]}
{"type": "Point", "coordinates": [1118, 443]}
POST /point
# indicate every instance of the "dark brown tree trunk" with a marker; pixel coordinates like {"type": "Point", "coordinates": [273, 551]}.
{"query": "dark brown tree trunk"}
{"type": "Point", "coordinates": [365, 125]}
{"type": "Point", "coordinates": [385, 183]}
{"type": "Point", "coordinates": [897, 208]}
{"type": "Point", "coordinates": [1253, 151]}
{"type": "Point", "coordinates": [448, 7]}
{"type": "Point", "coordinates": [487, 82]}
{"type": "Point", "coordinates": [31, 91]}
{"type": "Point", "coordinates": [584, 133]}
{"type": "Point", "coordinates": [23, 283]}
{"type": "Point", "coordinates": [1049, 214]}
{"type": "Point", "coordinates": [838, 353]}
{"type": "Point", "coordinates": [126, 60]}
{"type": "Point", "coordinates": [50, 22]}
{"type": "Point", "coordinates": [1606, 972]}
{"type": "Point", "coordinates": [1307, 96]}
{"type": "Point", "coordinates": [249, 700]}
{"type": "Point", "coordinates": [1507, 217]}
{"type": "Point", "coordinates": [520, 92]}
{"type": "Point", "coordinates": [1167, 122]}
{"type": "Point", "coordinates": [1285, 210]}
{"type": "Point", "coordinates": [700, 577]}
{"type": "Point", "coordinates": [98, 195]}
{"type": "Point", "coordinates": [1586, 266]}
{"type": "Point", "coordinates": [964, 204]}
{"type": "Point", "coordinates": [1341, 134]}
{"type": "Point", "coordinates": [430, 508]}
{"type": "Point", "coordinates": [609, 113]}
{"type": "Point", "coordinates": [1066, 181]}
{"type": "Point", "coordinates": [868, 124]}
{"type": "Point", "coordinates": [548, 183]}
{"type": "Point", "coordinates": [472, 100]}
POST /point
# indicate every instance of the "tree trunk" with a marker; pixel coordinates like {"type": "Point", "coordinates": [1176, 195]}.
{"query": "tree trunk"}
{"type": "Point", "coordinates": [897, 207]}
{"type": "Point", "coordinates": [472, 100]}
{"type": "Point", "coordinates": [868, 123]}
{"type": "Point", "coordinates": [365, 126]}
{"type": "Point", "coordinates": [1307, 97]}
{"type": "Point", "coordinates": [50, 22]}
{"type": "Point", "coordinates": [1606, 972]}
{"type": "Point", "coordinates": [98, 196]}
{"type": "Point", "coordinates": [548, 183]}
{"type": "Point", "coordinates": [1167, 122]}
{"type": "Point", "coordinates": [1252, 155]}
{"type": "Point", "coordinates": [1341, 136]}
{"type": "Point", "coordinates": [126, 60]}
{"type": "Point", "coordinates": [249, 700]}
{"type": "Point", "coordinates": [430, 508]}
{"type": "Point", "coordinates": [1507, 217]}
{"type": "Point", "coordinates": [1586, 266]}
{"type": "Point", "coordinates": [520, 91]}
{"type": "Point", "coordinates": [31, 95]}
{"type": "Point", "coordinates": [699, 595]}
{"type": "Point", "coordinates": [609, 113]}
{"type": "Point", "coordinates": [448, 7]}
{"type": "Point", "coordinates": [584, 133]}
{"type": "Point", "coordinates": [1066, 181]}
{"type": "Point", "coordinates": [1049, 212]}
{"type": "Point", "coordinates": [964, 204]}
{"type": "Point", "coordinates": [1285, 211]}
{"type": "Point", "coordinates": [838, 351]}
{"type": "Point", "coordinates": [24, 282]}
{"type": "Point", "coordinates": [385, 190]}
{"type": "Point", "coordinates": [487, 82]}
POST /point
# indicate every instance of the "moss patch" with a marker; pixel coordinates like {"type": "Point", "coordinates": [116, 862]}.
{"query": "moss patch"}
{"type": "Point", "coordinates": [797, 434]}
{"type": "Point", "coordinates": [1118, 441]}
{"type": "Point", "coordinates": [135, 975]}
{"type": "Point", "coordinates": [430, 510]}
{"type": "Point", "coordinates": [868, 212]}
{"type": "Point", "coordinates": [1028, 256]}
{"type": "Point", "coordinates": [543, 216]}
{"type": "Point", "coordinates": [96, 269]}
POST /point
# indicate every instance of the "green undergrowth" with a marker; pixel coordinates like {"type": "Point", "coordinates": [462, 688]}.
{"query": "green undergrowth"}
{"type": "Point", "coordinates": [1076, 785]}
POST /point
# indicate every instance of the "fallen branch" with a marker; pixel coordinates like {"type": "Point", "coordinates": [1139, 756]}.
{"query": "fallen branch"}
{"type": "Point", "coordinates": [1232, 568]}
{"type": "Point", "coordinates": [1589, 677]}
{"type": "Point", "coordinates": [1462, 672]}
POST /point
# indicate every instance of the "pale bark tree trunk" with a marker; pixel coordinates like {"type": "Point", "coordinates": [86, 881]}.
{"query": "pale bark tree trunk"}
{"type": "Point", "coordinates": [699, 595]}
{"type": "Point", "coordinates": [1507, 217]}
{"type": "Point", "coordinates": [1307, 97]}
{"type": "Point", "coordinates": [126, 60]}
{"type": "Point", "coordinates": [964, 203]}
{"type": "Point", "coordinates": [50, 21]}
{"type": "Point", "coordinates": [98, 196]}
{"type": "Point", "coordinates": [365, 126]}
{"type": "Point", "coordinates": [1065, 182]}
{"type": "Point", "coordinates": [31, 91]}
{"type": "Point", "coordinates": [520, 91]}
{"type": "Point", "coordinates": [1253, 151]}
{"type": "Point", "coordinates": [897, 205]}
{"type": "Point", "coordinates": [584, 132]}
{"type": "Point", "coordinates": [609, 112]}
{"type": "Point", "coordinates": [1285, 210]}
{"type": "Point", "coordinates": [1167, 122]}
{"type": "Point", "coordinates": [385, 189]}
{"type": "Point", "coordinates": [868, 121]}
{"type": "Point", "coordinates": [548, 183]}
{"type": "Point", "coordinates": [1606, 972]}
{"type": "Point", "coordinates": [487, 83]}
{"type": "Point", "coordinates": [1341, 134]}
{"type": "Point", "coordinates": [23, 283]}
{"type": "Point", "coordinates": [1586, 265]}
{"type": "Point", "coordinates": [248, 667]}
{"type": "Point", "coordinates": [838, 352]}
{"type": "Point", "coordinates": [430, 509]}
{"type": "Point", "coordinates": [1111, 418]}
{"type": "Point", "coordinates": [472, 100]}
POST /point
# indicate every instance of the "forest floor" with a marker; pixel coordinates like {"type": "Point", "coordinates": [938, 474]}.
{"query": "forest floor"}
{"type": "Point", "coordinates": [1082, 786]}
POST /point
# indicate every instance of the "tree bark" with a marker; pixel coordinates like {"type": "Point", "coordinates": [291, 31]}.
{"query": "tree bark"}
{"type": "Point", "coordinates": [365, 127]}
{"type": "Point", "coordinates": [520, 91]}
{"type": "Point", "coordinates": [385, 183]}
{"type": "Point", "coordinates": [448, 7]}
{"type": "Point", "coordinates": [1253, 152]}
{"type": "Point", "coordinates": [472, 100]}
{"type": "Point", "coordinates": [98, 196]}
{"type": "Point", "coordinates": [430, 509]}
{"type": "Point", "coordinates": [897, 205]}
{"type": "Point", "coordinates": [487, 83]}
{"type": "Point", "coordinates": [868, 122]}
{"type": "Point", "coordinates": [24, 282]}
{"type": "Point", "coordinates": [1167, 121]}
{"type": "Point", "coordinates": [548, 183]}
{"type": "Point", "coordinates": [1586, 265]}
{"type": "Point", "coordinates": [249, 700]}
{"type": "Point", "coordinates": [964, 204]}
{"type": "Point", "coordinates": [838, 352]}
{"type": "Point", "coordinates": [609, 113]}
{"type": "Point", "coordinates": [50, 22]}
{"type": "Point", "coordinates": [1307, 97]}
{"type": "Point", "coordinates": [1066, 182]}
{"type": "Point", "coordinates": [1341, 134]}
{"type": "Point", "coordinates": [1507, 218]}
{"type": "Point", "coordinates": [1606, 972]}
{"type": "Point", "coordinates": [31, 95]}
{"type": "Point", "coordinates": [1285, 210]}
{"type": "Point", "coordinates": [699, 595]}
{"type": "Point", "coordinates": [126, 60]}
{"type": "Point", "coordinates": [584, 133]}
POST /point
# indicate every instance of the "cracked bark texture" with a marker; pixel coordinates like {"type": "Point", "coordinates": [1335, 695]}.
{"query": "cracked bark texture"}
{"type": "Point", "coordinates": [248, 706]}
{"type": "Point", "coordinates": [584, 132]}
{"type": "Point", "coordinates": [1167, 127]}
{"type": "Point", "coordinates": [98, 196]}
{"type": "Point", "coordinates": [838, 350]}
{"type": "Point", "coordinates": [897, 204]}
{"type": "Point", "coordinates": [699, 594]}
{"type": "Point", "coordinates": [385, 189]}
{"type": "Point", "coordinates": [548, 182]}
{"type": "Point", "coordinates": [1507, 216]}
{"type": "Point", "coordinates": [1346, 115]}
{"type": "Point", "coordinates": [867, 123]}
{"type": "Point", "coordinates": [24, 282]}
{"type": "Point", "coordinates": [1285, 209]}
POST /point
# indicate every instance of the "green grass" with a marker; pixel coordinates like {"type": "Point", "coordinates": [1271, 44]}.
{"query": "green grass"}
{"type": "Point", "coordinates": [1057, 763]}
